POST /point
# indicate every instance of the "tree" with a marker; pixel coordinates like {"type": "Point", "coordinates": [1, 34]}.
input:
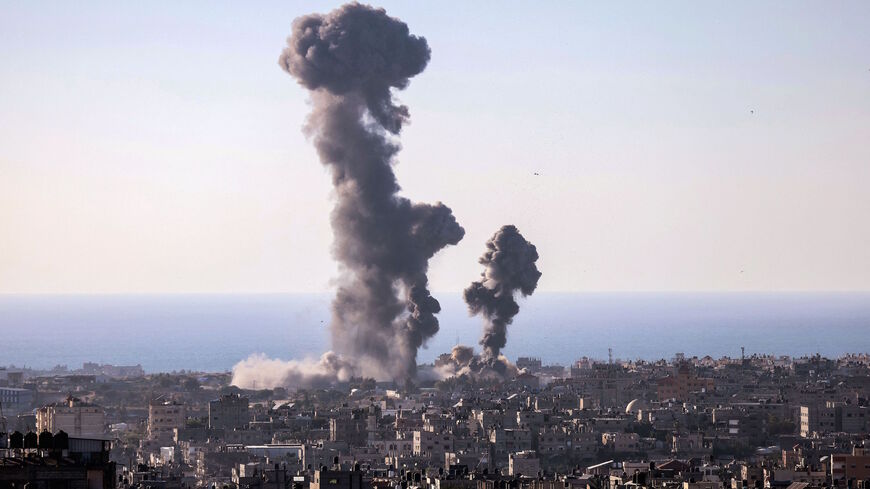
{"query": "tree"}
{"type": "Point", "coordinates": [191, 384]}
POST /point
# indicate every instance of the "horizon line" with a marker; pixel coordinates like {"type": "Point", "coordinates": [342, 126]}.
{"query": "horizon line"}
{"type": "Point", "coordinates": [434, 292]}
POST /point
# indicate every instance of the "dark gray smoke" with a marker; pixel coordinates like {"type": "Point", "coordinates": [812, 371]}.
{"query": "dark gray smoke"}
{"type": "Point", "coordinates": [510, 268]}
{"type": "Point", "coordinates": [351, 59]}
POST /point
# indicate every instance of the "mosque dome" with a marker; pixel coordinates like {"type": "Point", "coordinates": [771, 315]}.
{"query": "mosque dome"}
{"type": "Point", "coordinates": [636, 405]}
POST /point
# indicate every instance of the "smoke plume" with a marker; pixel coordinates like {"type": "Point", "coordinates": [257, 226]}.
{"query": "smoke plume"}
{"type": "Point", "coordinates": [509, 263]}
{"type": "Point", "coordinates": [351, 59]}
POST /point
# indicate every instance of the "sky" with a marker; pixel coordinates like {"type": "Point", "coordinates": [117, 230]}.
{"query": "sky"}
{"type": "Point", "coordinates": [642, 146]}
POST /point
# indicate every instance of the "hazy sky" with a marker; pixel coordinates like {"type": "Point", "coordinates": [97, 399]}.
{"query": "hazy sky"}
{"type": "Point", "coordinates": [156, 146]}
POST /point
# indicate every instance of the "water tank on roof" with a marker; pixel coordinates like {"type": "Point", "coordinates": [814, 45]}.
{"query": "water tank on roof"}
{"type": "Point", "coordinates": [46, 440]}
{"type": "Point", "coordinates": [16, 440]}
{"type": "Point", "coordinates": [61, 440]}
{"type": "Point", "coordinates": [31, 440]}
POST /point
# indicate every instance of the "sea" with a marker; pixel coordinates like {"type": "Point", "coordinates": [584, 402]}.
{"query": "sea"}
{"type": "Point", "coordinates": [164, 333]}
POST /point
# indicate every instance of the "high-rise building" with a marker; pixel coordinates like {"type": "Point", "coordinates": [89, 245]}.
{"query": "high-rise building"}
{"type": "Point", "coordinates": [230, 412]}
{"type": "Point", "coordinates": [164, 417]}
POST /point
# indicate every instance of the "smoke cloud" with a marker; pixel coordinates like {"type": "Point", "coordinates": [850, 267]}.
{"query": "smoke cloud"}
{"type": "Point", "coordinates": [509, 263]}
{"type": "Point", "coordinates": [351, 59]}
{"type": "Point", "coordinates": [463, 361]}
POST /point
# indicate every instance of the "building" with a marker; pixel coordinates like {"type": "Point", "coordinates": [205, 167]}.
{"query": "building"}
{"type": "Point", "coordinates": [833, 417]}
{"type": "Point", "coordinates": [682, 384]}
{"type": "Point", "coordinates": [85, 464]}
{"type": "Point", "coordinates": [352, 430]}
{"type": "Point", "coordinates": [751, 476]}
{"type": "Point", "coordinates": [621, 442]}
{"type": "Point", "coordinates": [603, 385]}
{"type": "Point", "coordinates": [506, 441]}
{"type": "Point", "coordinates": [286, 451]}
{"type": "Point", "coordinates": [851, 418]}
{"type": "Point", "coordinates": [688, 443]}
{"type": "Point", "coordinates": [702, 485]}
{"type": "Point", "coordinates": [164, 417]}
{"type": "Point", "coordinates": [524, 463]}
{"type": "Point", "coordinates": [432, 445]}
{"type": "Point", "coordinates": [337, 479]}
{"type": "Point", "coordinates": [113, 371]}
{"type": "Point", "coordinates": [851, 466]}
{"type": "Point", "coordinates": [11, 378]}
{"type": "Point", "coordinates": [529, 363]}
{"type": "Point", "coordinates": [72, 416]}
{"type": "Point", "coordinates": [257, 475]}
{"type": "Point", "coordinates": [230, 412]}
{"type": "Point", "coordinates": [15, 401]}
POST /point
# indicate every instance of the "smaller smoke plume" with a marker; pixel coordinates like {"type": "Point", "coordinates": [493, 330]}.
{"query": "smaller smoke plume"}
{"type": "Point", "coordinates": [509, 263]}
{"type": "Point", "coordinates": [260, 372]}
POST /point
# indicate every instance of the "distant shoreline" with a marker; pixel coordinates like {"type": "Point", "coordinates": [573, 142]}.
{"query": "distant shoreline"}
{"type": "Point", "coordinates": [212, 332]}
{"type": "Point", "coordinates": [42, 372]}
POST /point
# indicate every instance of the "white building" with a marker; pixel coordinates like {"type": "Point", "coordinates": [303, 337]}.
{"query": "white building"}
{"type": "Point", "coordinates": [73, 416]}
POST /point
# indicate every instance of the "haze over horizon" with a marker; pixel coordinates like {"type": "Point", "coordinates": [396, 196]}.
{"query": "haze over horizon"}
{"type": "Point", "coordinates": [675, 147]}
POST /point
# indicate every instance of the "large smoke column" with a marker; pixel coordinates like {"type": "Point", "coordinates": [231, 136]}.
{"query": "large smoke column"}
{"type": "Point", "coordinates": [351, 59]}
{"type": "Point", "coordinates": [510, 268]}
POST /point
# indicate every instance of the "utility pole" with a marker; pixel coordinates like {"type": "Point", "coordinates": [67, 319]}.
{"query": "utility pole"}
{"type": "Point", "coordinates": [3, 430]}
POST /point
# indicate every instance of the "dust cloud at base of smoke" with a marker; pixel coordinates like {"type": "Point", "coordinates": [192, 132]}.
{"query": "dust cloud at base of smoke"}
{"type": "Point", "coordinates": [258, 371]}
{"type": "Point", "coordinates": [462, 361]}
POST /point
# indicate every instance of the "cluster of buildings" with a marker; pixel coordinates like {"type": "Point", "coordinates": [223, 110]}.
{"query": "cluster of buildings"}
{"type": "Point", "coordinates": [689, 423]}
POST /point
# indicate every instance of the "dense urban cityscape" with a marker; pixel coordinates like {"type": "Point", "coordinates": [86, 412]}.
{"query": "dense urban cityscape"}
{"type": "Point", "coordinates": [654, 177]}
{"type": "Point", "coordinates": [696, 423]}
